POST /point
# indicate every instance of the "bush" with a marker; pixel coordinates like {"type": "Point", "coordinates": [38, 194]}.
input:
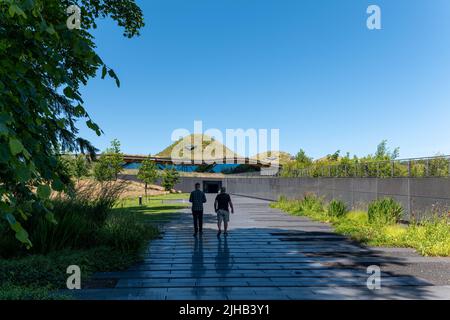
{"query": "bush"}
{"type": "Point", "coordinates": [79, 216]}
{"type": "Point", "coordinates": [385, 211]}
{"type": "Point", "coordinates": [49, 271]}
{"type": "Point", "coordinates": [312, 203]}
{"type": "Point", "coordinates": [13, 292]}
{"type": "Point", "coordinates": [378, 227]}
{"type": "Point", "coordinates": [124, 233]}
{"type": "Point", "coordinates": [9, 246]}
{"type": "Point", "coordinates": [337, 208]}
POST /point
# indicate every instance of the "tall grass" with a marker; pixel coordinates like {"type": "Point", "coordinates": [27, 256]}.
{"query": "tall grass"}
{"type": "Point", "coordinates": [84, 220]}
{"type": "Point", "coordinates": [337, 208]}
{"type": "Point", "coordinates": [385, 211]}
{"type": "Point", "coordinates": [379, 226]}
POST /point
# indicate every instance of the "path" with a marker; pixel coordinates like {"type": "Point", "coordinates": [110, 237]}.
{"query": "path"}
{"type": "Point", "coordinates": [271, 255]}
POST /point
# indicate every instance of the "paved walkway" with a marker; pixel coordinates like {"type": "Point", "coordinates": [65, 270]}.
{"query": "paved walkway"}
{"type": "Point", "coordinates": [271, 255]}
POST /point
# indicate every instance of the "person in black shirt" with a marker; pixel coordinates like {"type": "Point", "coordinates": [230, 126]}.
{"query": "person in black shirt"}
{"type": "Point", "coordinates": [221, 206]}
{"type": "Point", "coordinates": [197, 199]}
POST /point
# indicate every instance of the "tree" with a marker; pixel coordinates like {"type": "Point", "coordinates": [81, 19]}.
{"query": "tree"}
{"type": "Point", "coordinates": [148, 173]}
{"type": "Point", "coordinates": [383, 152]}
{"type": "Point", "coordinates": [110, 163]}
{"type": "Point", "coordinates": [80, 167]}
{"type": "Point", "coordinates": [302, 159]}
{"type": "Point", "coordinates": [170, 178]}
{"type": "Point", "coordinates": [114, 157]}
{"type": "Point", "coordinates": [43, 65]}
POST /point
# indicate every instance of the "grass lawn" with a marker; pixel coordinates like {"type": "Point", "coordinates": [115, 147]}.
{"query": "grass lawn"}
{"type": "Point", "coordinates": [155, 209]}
{"type": "Point", "coordinates": [119, 243]}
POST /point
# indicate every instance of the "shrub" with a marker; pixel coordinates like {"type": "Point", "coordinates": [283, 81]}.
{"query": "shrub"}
{"type": "Point", "coordinates": [170, 178]}
{"type": "Point", "coordinates": [124, 233]}
{"type": "Point", "coordinates": [50, 270]}
{"type": "Point", "coordinates": [9, 246]}
{"type": "Point", "coordinates": [337, 208]}
{"type": "Point", "coordinates": [312, 203]}
{"type": "Point", "coordinates": [385, 211]}
{"type": "Point", "coordinates": [79, 216]}
{"type": "Point", "coordinates": [13, 292]}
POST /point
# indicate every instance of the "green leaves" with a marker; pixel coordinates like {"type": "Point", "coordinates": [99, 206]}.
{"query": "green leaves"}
{"type": "Point", "coordinates": [93, 126]}
{"type": "Point", "coordinates": [72, 94]}
{"type": "Point", "coordinates": [3, 129]}
{"type": "Point", "coordinates": [15, 146]}
{"type": "Point", "coordinates": [44, 191]}
{"type": "Point", "coordinates": [113, 75]}
{"type": "Point", "coordinates": [104, 71]}
{"type": "Point", "coordinates": [14, 10]}
{"type": "Point", "coordinates": [39, 110]}
{"type": "Point", "coordinates": [21, 233]}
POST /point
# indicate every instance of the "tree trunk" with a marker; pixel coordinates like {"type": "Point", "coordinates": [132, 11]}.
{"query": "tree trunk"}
{"type": "Point", "coordinates": [146, 191]}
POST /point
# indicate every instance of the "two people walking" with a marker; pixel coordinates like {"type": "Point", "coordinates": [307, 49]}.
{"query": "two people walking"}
{"type": "Point", "coordinates": [222, 206]}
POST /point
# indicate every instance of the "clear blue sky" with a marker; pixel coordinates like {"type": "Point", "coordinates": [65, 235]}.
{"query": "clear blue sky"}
{"type": "Point", "coordinates": [310, 68]}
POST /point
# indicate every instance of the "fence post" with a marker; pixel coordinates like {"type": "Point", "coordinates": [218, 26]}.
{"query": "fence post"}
{"type": "Point", "coordinates": [392, 168]}
{"type": "Point", "coordinates": [409, 168]}
{"type": "Point", "coordinates": [427, 167]}
{"type": "Point", "coordinates": [448, 173]}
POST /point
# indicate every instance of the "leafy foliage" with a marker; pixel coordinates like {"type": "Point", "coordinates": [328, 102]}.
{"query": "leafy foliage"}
{"type": "Point", "coordinates": [148, 173]}
{"type": "Point", "coordinates": [337, 208]}
{"type": "Point", "coordinates": [385, 211]}
{"type": "Point", "coordinates": [110, 163]}
{"type": "Point", "coordinates": [335, 165]}
{"type": "Point", "coordinates": [428, 237]}
{"type": "Point", "coordinates": [43, 64]}
{"type": "Point", "coordinates": [170, 178]}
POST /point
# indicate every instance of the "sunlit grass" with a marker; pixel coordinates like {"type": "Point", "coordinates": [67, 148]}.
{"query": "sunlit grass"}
{"type": "Point", "coordinates": [429, 238]}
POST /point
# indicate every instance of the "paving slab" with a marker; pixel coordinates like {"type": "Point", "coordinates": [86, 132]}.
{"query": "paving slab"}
{"type": "Point", "coordinates": [270, 255]}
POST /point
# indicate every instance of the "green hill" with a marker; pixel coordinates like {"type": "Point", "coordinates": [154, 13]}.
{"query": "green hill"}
{"type": "Point", "coordinates": [274, 156]}
{"type": "Point", "coordinates": [194, 146]}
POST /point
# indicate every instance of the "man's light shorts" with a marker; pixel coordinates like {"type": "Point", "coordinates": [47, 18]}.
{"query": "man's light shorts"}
{"type": "Point", "coordinates": [223, 215]}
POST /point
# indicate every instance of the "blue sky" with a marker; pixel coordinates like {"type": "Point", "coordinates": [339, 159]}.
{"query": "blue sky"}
{"type": "Point", "coordinates": [310, 68]}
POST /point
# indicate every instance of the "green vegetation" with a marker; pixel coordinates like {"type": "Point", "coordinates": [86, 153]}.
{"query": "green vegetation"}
{"type": "Point", "coordinates": [385, 212]}
{"type": "Point", "coordinates": [170, 178]}
{"type": "Point", "coordinates": [95, 230]}
{"type": "Point", "coordinates": [196, 146]}
{"type": "Point", "coordinates": [382, 164]}
{"type": "Point", "coordinates": [110, 163]}
{"type": "Point", "coordinates": [337, 208]}
{"type": "Point", "coordinates": [148, 173]}
{"type": "Point", "coordinates": [43, 65]}
{"type": "Point", "coordinates": [279, 157]}
{"type": "Point", "coordinates": [380, 227]}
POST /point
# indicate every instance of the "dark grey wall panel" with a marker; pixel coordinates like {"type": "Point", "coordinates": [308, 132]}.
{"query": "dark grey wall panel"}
{"type": "Point", "coordinates": [419, 196]}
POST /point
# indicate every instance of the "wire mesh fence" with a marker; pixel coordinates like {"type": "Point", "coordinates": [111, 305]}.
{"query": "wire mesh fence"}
{"type": "Point", "coordinates": [438, 166]}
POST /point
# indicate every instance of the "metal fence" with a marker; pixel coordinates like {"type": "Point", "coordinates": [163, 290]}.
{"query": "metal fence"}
{"type": "Point", "coordinates": [438, 166]}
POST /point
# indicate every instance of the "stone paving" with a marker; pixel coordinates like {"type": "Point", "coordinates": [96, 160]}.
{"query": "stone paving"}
{"type": "Point", "coordinates": [268, 255]}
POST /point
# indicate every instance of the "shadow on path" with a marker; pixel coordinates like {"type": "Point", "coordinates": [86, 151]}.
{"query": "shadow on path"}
{"type": "Point", "coordinates": [267, 255]}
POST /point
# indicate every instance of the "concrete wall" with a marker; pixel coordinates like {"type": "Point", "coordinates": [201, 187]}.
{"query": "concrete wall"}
{"type": "Point", "coordinates": [419, 196]}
